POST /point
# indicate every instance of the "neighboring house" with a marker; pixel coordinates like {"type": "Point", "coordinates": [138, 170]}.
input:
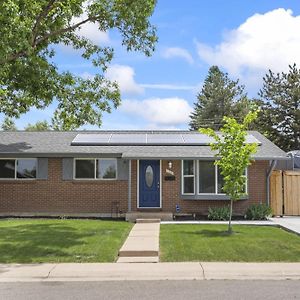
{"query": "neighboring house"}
{"type": "Point", "coordinates": [92, 172]}
{"type": "Point", "coordinates": [292, 164]}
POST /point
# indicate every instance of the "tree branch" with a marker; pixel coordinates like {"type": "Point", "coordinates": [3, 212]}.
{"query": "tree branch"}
{"type": "Point", "coordinates": [23, 53]}
{"type": "Point", "coordinates": [63, 30]}
{"type": "Point", "coordinates": [39, 18]}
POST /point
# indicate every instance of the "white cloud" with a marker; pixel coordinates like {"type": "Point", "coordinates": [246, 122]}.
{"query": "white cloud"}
{"type": "Point", "coordinates": [173, 52]}
{"type": "Point", "coordinates": [90, 30]}
{"type": "Point", "coordinates": [124, 76]}
{"type": "Point", "coordinates": [163, 86]}
{"type": "Point", "coordinates": [262, 42]}
{"type": "Point", "coordinates": [87, 75]}
{"type": "Point", "coordinates": [159, 111]}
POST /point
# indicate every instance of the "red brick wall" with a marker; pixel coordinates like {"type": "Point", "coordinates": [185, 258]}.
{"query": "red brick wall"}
{"type": "Point", "coordinates": [55, 195]}
{"type": "Point", "coordinates": [171, 191]}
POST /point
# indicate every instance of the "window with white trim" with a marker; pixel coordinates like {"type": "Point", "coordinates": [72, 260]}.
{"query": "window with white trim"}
{"type": "Point", "coordinates": [18, 168]}
{"type": "Point", "coordinates": [87, 168]}
{"type": "Point", "coordinates": [210, 179]}
{"type": "Point", "coordinates": [188, 177]}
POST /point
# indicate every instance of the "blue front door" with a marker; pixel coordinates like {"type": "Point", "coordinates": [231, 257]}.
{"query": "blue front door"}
{"type": "Point", "coordinates": [149, 183]}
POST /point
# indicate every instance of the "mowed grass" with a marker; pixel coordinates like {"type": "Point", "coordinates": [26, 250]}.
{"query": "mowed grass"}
{"type": "Point", "coordinates": [45, 240]}
{"type": "Point", "coordinates": [212, 243]}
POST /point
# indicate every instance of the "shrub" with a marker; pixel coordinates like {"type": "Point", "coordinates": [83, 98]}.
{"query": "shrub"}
{"type": "Point", "coordinates": [219, 213]}
{"type": "Point", "coordinates": [258, 212]}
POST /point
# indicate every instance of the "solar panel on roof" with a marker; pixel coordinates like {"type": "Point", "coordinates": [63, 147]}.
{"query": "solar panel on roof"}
{"type": "Point", "coordinates": [156, 138]}
{"type": "Point", "coordinates": [185, 138]}
{"type": "Point", "coordinates": [251, 139]}
{"type": "Point", "coordinates": [91, 138]}
{"type": "Point", "coordinates": [128, 138]}
{"type": "Point", "coordinates": [197, 138]}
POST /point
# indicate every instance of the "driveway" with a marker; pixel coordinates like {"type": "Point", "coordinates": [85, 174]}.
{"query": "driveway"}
{"type": "Point", "coordinates": [290, 223]}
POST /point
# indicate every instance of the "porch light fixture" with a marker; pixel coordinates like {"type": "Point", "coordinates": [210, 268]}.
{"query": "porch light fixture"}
{"type": "Point", "coordinates": [170, 164]}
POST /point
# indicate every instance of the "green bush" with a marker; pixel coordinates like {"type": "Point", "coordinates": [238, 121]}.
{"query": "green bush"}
{"type": "Point", "coordinates": [258, 212]}
{"type": "Point", "coordinates": [218, 213]}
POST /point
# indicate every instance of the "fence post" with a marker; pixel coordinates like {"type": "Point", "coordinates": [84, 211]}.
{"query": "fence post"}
{"type": "Point", "coordinates": [276, 193]}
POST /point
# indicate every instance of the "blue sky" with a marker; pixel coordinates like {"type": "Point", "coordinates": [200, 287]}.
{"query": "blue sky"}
{"type": "Point", "coordinates": [244, 37]}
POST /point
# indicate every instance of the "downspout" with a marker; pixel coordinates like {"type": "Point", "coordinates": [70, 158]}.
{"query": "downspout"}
{"type": "Point", "coordinates": [129, 186]}
{"type": "Point", "coordinates": [272, 167]}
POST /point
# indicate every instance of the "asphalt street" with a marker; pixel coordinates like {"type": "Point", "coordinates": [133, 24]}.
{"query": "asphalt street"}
{"type": "Point", "coordinates": [212, 289]}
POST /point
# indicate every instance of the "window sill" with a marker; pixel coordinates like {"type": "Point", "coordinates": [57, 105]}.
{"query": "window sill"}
{"type": "Point", "coordinates": [209, 197]}
{"type": "Point", "coordinates": [94, 181]}
{"type": "Point", "coordinates": [17, 181]}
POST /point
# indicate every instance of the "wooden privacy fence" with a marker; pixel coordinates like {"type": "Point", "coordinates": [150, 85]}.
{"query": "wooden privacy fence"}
{"type": "Point", "coordinates": [285, 193]}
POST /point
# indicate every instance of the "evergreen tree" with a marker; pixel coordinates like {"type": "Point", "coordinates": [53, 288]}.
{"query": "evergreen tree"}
{"type": "Point", "coordinates": [220, 96]}
{"type": "Point", "coordinates": [8, 125]}
{"type": "Point", "coordinates": [279, 117]}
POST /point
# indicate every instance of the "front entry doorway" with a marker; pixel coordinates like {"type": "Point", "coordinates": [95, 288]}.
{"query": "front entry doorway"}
{"type": "Point", "coordinates": [149, 184]}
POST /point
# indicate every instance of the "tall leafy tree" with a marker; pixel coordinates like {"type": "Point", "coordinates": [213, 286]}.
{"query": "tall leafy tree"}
{"type": "Point", "coordinates": [29, 30]}
{"type": "Point", "coordinates": [220, 96]}
{"type": "Point", "coordinates": [233, 155]}
{"type": "Point", "coordinates": [279, 118]}
{"type": "Point", "coordinates": [8, 124]}
{"type": "Point", "coordinates": [38, 126]}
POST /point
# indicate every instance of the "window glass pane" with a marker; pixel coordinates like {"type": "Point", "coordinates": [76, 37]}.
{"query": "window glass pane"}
{"type": "Point", "coordinates": [26, 168]}
{"type": "Point", "coordinates": [188, 185]}
{"type": "Point", "coordinates": [220, 182]}
{"type": "Point", "coordinates": [7, 168]}
{"type": "Point", "coordinates": [85, 168]}
{"type": "Point", "coordinates": [107, 169]}
{"type": "Point", "coordinates": [149, 176]}
{"type": "Point", "coordinates": [188, 167]}
{"type": "Point", "coordinates": [207, 177]}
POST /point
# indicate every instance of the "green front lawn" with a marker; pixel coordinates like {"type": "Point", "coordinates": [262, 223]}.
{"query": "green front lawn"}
{"type": "Point", "coordinates": [212, 243]}
{"type": "Point", "coordinates": [45, 240]}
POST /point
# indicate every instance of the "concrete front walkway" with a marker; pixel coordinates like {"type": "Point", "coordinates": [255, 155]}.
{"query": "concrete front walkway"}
{"type": "Point", "coordinates": [144, 271]}
{"type": "Point", "coordinates": [142, 244]}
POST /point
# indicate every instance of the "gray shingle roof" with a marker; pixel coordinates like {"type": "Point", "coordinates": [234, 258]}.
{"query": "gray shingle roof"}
{"type": "Point", "coordinates": [58, 144]}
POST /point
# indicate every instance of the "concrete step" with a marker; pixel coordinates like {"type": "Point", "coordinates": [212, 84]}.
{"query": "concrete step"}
{"type": "Point", "coordinates": [139, 259]}
{"type": "Point", "coordinates": [140, 246]}
{"type": "Point", "coordinates": [147, 221]}
{"type": "Point", "coordinates": [163, 216]}
{"type": "Point", "coordinates": [137, 253]}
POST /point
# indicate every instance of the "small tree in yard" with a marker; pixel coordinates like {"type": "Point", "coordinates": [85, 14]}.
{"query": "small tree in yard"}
{"type": "Point", "coordinates": [233, 155]}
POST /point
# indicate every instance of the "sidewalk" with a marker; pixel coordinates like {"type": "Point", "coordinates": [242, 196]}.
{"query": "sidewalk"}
{"type": "Point", "coordinates": [145, 271]}
{"type": "Point", "coordinates": [289, 223]}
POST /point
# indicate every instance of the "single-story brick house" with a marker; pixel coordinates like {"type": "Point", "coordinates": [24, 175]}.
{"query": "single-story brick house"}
{"type": "Point", "coordinates": [95, 173]}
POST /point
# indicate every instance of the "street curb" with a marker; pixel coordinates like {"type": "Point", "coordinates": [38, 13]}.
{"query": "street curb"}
{"type": "Point", "coordinates": [145, 271]}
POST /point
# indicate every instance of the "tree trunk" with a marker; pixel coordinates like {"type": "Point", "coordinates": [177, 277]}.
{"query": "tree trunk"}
{"type": "Point", "coordinates": [230, 216]}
